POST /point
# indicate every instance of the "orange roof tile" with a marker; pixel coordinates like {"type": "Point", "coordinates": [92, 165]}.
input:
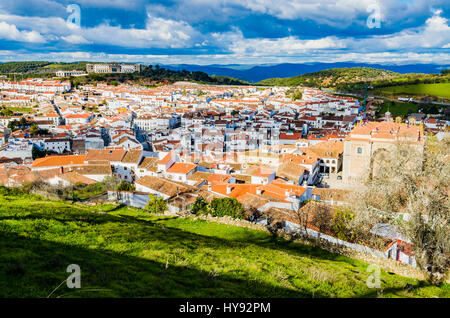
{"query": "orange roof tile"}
{"type": "Point", "coordinates": [58, 161]}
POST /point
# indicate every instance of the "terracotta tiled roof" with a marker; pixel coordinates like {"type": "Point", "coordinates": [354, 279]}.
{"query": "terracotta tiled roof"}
{"type": "Point", "coordinates": [290, 171]}
{"type": "Point", "coordinates": [74, 178]}
{"type": "Point", "coordinates": [167, 158]}
{"type": "Point", "coordinates": [132, 156]}
{"type": "Point", "coordinates": [181, 167]}
{"type": "Point", "coordinates": [147, 162]}
{"type": "Point", "coordinates": [165, 186]}
{"type": "Point", "coordinates": [218, 178]}
{"type": "Point", "coordinates": [105, 154]}
{"type": "Point", "coordinates": [58, 161]}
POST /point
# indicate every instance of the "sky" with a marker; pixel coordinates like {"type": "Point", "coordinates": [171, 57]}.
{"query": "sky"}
{"type": "Point", "coordinates": [206, 32]}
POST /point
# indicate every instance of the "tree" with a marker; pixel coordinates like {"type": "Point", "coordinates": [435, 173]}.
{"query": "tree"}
{"type": "Point", "coordinates": [155, 204]}
{"type": "Point", "coordinates": [111, 183]}
{"type": "Point", "coordinates": [200, 206]}
{"type": "Point", "coordinates": [23, 122]}
{"type": "Point", "coordinates": [125, 186]}
{"type": "Point", "coordinates": [303, 214]}
{"type": "Point", "coordinates": [34, 129]}
{"type": "Point", "coordinates": [7, 112]}
{"type": "Point", "coordinates": [342, 224]}
{"type": "Point", "coordinates": [13, 124]}
{"type": "Point", "coordinates": [37, 153]}
{"type": "Point", "coordinates": [322, 217]}
{"type": "Point", "coordinates": [415, 182]}
{"type": "Point", "coordinates": [227, 206]}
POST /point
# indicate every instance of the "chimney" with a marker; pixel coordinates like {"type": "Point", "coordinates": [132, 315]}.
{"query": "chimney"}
{"type": "Point", "coordinates": [288, 193]}
{"type": "Point", "coordinates": [259, 191]}
{"type": "Point", "coordinates": [229, 189]}
{"type": "Point", "coordinates": [62, 170]}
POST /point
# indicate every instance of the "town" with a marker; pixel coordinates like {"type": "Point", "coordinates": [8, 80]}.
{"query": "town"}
{"type": "Point", "coordinates": [185, 142]}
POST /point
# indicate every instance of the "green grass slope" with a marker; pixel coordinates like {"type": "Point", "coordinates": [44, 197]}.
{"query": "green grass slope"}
{"type": "Point", "coordinates": [123, 252]}
{"type": "Point", "coordinates": [438, 89]}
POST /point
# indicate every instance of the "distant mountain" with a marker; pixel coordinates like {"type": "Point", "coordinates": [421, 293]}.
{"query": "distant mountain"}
{"type": "Point", "coordinates": [258, 73]}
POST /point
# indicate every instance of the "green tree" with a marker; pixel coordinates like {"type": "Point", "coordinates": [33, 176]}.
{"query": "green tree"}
{"type": "Point", "coordinates": [37, 153]}
{"type": "Point", "coordinates": [23, 122]}
{"type": "Point", "coordinates": [125, 186]}
{"type": "Point", "coordinates": [227, 206]}
{"type": "Point", "coordinates": [34, 129]}
{"type": "Point", "coordinates": [342, 224]}
{"type": "Point", "coordinates": [13, 124]}
{"type": "Point", "coordinates": [7, 112]}
{"type": "Point", "coordinates": [155, 204]}
{"type": "Point", "coordinates": [200, 206]}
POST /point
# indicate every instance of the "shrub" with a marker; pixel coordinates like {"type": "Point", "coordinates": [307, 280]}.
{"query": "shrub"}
{"type": "Point", "coordinates": [200, 206]}
{"type": "Point", "coordinates": [125, 186]}
{"type": "Point", "coordinates": [156, 204]}
{"type": "Point", "coordinates": [341, 224]}
{"type": "Point", "coordinates": [227, 206]}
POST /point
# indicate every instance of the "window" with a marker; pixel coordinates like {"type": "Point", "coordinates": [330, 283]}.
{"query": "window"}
{"type": "Point", "coordinates": [359, 150]}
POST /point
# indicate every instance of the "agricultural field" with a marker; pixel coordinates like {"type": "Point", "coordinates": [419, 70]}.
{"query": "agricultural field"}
{"type": "Point", "coordinates": [439, 89]}
{"type": "Point", "coordinates": [126, 252]}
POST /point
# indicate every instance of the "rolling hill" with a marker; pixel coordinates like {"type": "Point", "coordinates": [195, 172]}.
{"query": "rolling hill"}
{"type": "Point", "coordinates": [148, 75]}
{"type": "Point", "coordinates": [333, 77]}
{"type": "Point", "coordinates": [256, 73]}
{"type": "Point", "coordinates": [125, 252]}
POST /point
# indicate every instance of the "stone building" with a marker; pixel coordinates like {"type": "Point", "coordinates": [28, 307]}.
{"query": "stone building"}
{"type": "Point", "coordinates": [368, 140]}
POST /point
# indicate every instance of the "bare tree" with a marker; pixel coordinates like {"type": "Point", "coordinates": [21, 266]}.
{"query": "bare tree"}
{"type": "Point", "coordinates": [415, 183]}
{"type": "Point", "coordinates": [322, 217]}
{"type": "Point", "coordinates": [302, 212]}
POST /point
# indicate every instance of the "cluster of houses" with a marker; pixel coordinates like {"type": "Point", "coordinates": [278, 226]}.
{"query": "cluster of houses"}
{"type": "Point", "coordinates": [183, 141]}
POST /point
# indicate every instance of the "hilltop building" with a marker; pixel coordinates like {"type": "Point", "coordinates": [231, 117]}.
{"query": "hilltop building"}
{"type": "Point", "coordinates": [113, 68]}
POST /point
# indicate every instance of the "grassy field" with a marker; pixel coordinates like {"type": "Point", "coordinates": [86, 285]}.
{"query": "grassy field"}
{"type": "Point", "coordinates": [398, 108]}
{"type": "Point", "coordinates": [438, 89]}
{"type": "Point", "coordinates": [124, 252]}
{"type": "Point", "coordinates": [18, 109]}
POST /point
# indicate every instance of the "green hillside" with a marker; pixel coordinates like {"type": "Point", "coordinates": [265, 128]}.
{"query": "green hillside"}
{"type": "Point", "coordinates": [124, 252]}
{"type": "Point", "coordinates": [383, 82]}
{"type": "Point", "coordinates": [150, 75]}
{"type": "Point", "coordinates": [332, 77]}
{"type": "Point", "coordinates": [438, 89]}
{"type": "Point", "coordinates": [22, 67]}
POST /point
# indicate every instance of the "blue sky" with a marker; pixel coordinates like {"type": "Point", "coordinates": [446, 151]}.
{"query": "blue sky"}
{"type": "Point", "coordinates": [227, 32]}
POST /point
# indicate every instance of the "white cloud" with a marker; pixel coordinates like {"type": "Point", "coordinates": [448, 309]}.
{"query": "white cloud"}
{"type": "Point", "coordinates": [75, 39]}
{"type": "Point", "coordinates": [158, 32]}
{"type": "Point", "coordinates": [434, 34]}
{"type": "Point", "coordinates": [324, 57]}
{"type": "Point", "coordinates": [10, 32]}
